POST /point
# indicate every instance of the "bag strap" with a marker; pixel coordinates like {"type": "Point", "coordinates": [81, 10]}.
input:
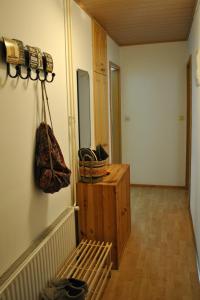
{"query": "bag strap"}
{"type": "Point", "coordinates": [47, 101]}
{"type": "Point", "coordinates": [46, 126]}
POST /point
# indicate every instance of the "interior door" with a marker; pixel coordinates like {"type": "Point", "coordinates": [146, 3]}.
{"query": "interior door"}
{"type": "Point", "coordinates": [115, 107]}
{"type": "Point", "coordinates": [101, 111]}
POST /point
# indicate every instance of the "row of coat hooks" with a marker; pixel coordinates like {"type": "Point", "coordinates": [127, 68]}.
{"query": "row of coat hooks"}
{"type": "Point", "coordinates": [28, 62]}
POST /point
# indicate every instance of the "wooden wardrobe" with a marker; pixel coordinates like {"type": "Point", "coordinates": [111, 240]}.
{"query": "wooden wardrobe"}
{"type": "Point", "coordinates": [101, 124]}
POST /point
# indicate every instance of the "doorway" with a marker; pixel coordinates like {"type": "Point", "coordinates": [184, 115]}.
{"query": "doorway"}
{"type": "Point", "coordinates": [115, 113]}
{"type": "Point", "coordinates": [189, 125]}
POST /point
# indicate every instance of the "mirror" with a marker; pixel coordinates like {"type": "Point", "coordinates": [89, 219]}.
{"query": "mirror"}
{"type": "Point", "coordinates": [83, 86]}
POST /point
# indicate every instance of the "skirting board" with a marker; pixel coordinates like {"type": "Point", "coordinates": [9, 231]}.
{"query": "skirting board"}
{"type": "Point", "coordinates": [158, 186]}
{"type": "Point", "coordinates": [195, 244]}
{"type": "Point", "coordinates": [198, 268]}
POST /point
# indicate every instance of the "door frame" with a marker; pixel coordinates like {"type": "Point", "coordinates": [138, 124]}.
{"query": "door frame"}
{"type": "Point", "coordinates": [189, 125]}
{"type": "Point", "coordinates": [117, 68]}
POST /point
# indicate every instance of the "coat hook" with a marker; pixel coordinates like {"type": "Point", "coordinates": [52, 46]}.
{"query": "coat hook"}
{"type": "Point", "coordinates": [15, 55]}
{"type": "Point", "coordinates": [48, 66]}
{"type": "Point", "coordinates": [39, 77]}
{"type": "Point", "coordinates": [9, 71]}
{"type": "Point", "coordinates": [30, 75]}
{"type": "Point", "coordinates": [27, 72]}
{"type": "Point", "coordinates": [52, 77]}
{"type": "Point", "coordinates": [34, 61]}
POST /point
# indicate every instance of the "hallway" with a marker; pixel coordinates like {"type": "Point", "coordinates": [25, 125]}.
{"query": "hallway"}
{"type": "Point", "coordinates": [159, 260]}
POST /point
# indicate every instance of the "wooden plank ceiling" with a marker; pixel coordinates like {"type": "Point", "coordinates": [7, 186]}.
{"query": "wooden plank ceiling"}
{"type": "Point", "coordinates": [131, 22]}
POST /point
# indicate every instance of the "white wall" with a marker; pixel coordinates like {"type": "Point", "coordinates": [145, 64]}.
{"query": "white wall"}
{"type": "Point", "coordinates": [25, 211]}
{"type": "Point", "coordinates": [82, 52]}
{"type": "Point", "coordinates": [113, 55]}
{"type": "Point", "coordinates": [194, 44]}
{"type": "Point", "coordinates": [154, 96]}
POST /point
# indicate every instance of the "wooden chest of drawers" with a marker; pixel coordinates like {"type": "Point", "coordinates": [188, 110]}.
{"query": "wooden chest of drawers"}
{"type": "Point", "coordinates": [105, 210]}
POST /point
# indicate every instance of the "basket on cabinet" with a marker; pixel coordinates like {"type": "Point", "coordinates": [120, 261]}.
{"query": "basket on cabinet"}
{"type": "Point", "coordinates": [92, 171]}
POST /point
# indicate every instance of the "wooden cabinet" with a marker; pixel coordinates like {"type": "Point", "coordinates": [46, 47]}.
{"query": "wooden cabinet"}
{"type": "Point", "coordinates": [105, 210]}
{"type": "Point", "coordinates": [101, 111]}
{"type": "Point", "coordinates": [99, 49]}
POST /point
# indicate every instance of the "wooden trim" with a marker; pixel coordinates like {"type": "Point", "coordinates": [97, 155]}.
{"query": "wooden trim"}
{"type": "Point", "coordinates": [194, 239]}
{"type": "Point", "coordinates": [153, 42]}
{"type": "Point", "coordinates": [158, 186]}
{"type": "Point", "coordinates": [116, 67]}
{"type": "Point", "coordinates": [189, 123]}
{"type": "Point", "coordinates": [192, 227]}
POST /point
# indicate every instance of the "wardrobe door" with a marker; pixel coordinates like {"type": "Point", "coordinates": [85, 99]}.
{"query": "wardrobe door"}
{"type": "Point", "coordinates": [99, 49]}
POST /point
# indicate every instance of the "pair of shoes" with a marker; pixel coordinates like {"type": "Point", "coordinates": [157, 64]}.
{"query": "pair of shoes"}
{"type": "Point", "coordinates": [73, 282]}
{"type": "Point", "coordinates": [67, 293]}
{"type": "Point", "coordinates": [65, 289]}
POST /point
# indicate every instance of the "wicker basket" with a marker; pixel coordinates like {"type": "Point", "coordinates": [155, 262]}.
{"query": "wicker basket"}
{"type": "Point", "coordinates": [92, 171]}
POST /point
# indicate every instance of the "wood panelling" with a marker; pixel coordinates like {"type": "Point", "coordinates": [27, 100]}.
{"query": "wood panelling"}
{"type": "Point", "coordinates": [101, 117]}
{"type": "Point", "coordinates": [105, 210]}
{"type": "Point", "coordinates": [159, 262]}
{"type": "Point", "coordinates": [99, 49]}
{"type": "Point", "coordinates": [131, 22]}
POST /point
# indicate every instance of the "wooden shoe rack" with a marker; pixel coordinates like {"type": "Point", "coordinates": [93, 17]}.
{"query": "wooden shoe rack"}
{"type": "Point", "coordinates": [91, 262]}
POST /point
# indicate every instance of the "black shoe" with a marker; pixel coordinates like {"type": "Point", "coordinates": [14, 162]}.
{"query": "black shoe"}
{"type": "Point", "coordinates": [75, 293]}
{"type": "Point", "coordinates": [101, 153]}
{"type": "Point", "coordinates": [78, 284]}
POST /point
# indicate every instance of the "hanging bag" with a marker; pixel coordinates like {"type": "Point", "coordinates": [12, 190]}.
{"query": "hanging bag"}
{"type": "Point", "coordinates": [51, 172]}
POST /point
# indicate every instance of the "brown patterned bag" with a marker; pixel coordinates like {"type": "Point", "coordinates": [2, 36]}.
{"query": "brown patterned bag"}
{"type": "Point", "coordinates": [51, 172]}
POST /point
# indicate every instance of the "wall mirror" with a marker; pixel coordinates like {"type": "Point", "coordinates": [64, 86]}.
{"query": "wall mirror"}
{"type": "Point", "coordinates": [84, 121]}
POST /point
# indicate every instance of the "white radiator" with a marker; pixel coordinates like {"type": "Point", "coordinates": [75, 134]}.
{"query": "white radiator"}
{"type": "Point", "coordinates": [42, 264]}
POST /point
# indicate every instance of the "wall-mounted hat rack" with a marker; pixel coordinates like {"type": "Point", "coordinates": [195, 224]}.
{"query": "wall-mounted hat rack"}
{"type": "Point", "coordinates": [27, 62]}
